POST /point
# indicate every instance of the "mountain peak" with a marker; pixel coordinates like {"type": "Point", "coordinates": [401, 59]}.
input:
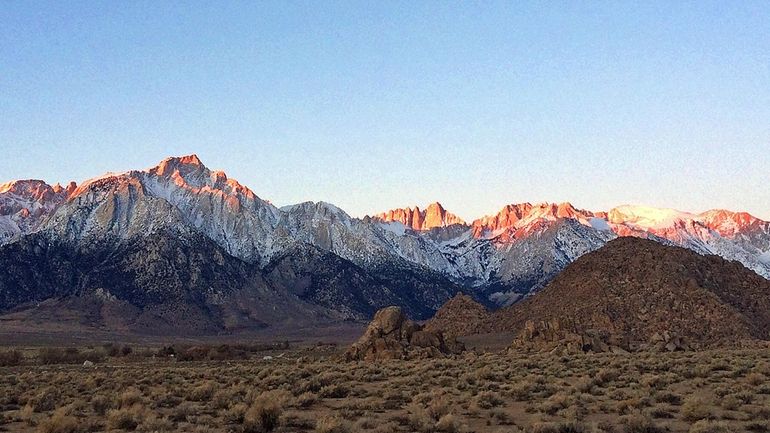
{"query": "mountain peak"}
{"type": "Point", "coordinates": [433, 216]}
{"type": "Point", "coordinates": [435, 206]}
{"type": "Point", "coordinates": [68, 190]}
{"type": "Point", "coordinates": [521, 214]}
{"type": "Point", "coordinates": [19, 186]}
{"type": "Point", "coordinates": [182, 164]}
{"type": "Point", "coordinates": [646, 217]}
{"type": "Point", "coordinates": [191, 159]}
{"type": "Point", "coordinates": [36, 189]}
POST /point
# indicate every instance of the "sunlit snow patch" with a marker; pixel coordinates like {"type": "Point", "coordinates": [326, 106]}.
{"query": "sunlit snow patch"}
{"type": "Point", "coordinates": [504, 299]}
{"type": "Point", "coordinates": [394, 227]}
{"type": "Point", "coordinates": [599, 224]}
{"type": "Point", "coordinates": [765, 258]}
{"type": "Point", "coordinates": [647, 217]}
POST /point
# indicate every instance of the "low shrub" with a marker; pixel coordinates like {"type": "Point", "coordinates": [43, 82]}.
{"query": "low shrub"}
{"type": "Point", "coordinates": [70, 355]}
{"type": "Point", "coordinates": [264, 413]}
{"type": "Point", "coordinates": [332, 424]}
{"type": "Point", "coordinates": [10, 358]}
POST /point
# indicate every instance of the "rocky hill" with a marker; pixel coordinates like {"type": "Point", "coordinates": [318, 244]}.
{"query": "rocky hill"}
{"type": "Point", "coordinates": [459, 315]}
{"type": "Point", "coordinates": [636, 292]}
{"type": "Point", "coordinates": [630, 294]}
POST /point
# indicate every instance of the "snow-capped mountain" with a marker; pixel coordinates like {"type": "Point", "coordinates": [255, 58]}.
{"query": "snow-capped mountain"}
{"type": "Point", "coordinates": [500, 258]}
{"type": "Point", "coordinates": [732, 235]}
{"type": "Point", "coordinates": [177, 194]}
{"type": "Point", "coordinates": [25, 204]}
{"type": "Point", "coordinates": [523, 246]}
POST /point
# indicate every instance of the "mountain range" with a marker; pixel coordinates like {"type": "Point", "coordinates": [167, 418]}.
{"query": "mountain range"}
{"type": "Point", "coordinates": [155, 249]}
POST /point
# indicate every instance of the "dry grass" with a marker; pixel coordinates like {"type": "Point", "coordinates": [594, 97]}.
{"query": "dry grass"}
{"type": "Point", "coordinates": [716, 391]}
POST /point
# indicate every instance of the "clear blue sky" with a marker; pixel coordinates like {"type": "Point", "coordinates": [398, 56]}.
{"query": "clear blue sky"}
{"type": "Point", "coordinates": [373, 105]}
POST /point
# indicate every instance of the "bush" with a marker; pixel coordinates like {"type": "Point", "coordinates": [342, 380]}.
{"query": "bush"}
{"type": "Point", "coordinates": [264, 413]}
{"type": "Point", "coordinates": [44, 401]}
{"type": "Point", "coordinates": [332, 424]}
{"type": "Point", "coordinates": [704, 426]}
{"type": "Point", "coordinates": [129, 397]}
{"type": "Point", "coordinates": [114, 351]}
{"type": "Point", "coordinates": [306, 399]}
{"type": "Point", "coordinates": [638, 423]}
{"type": "Point", "coordinates": [126, 418]}
{"type": "Point", "coordinates": [100, 404]}
{"type": "Point", "coordinates": [558, 427]}
{"type": "Point", "coordinates": [225, 351]}
{"type": "Point", "coordinates": [70, 355]}
{"type": "Point", "coordinates": [448, 423]}
{"type": "Point", "coordinates": [418, 419]}
{"type": "Point", "coordinates": [10, 358]}
{"type": "Point", "coordinates": [166, 351]}
{"type": "Point", "coordinates": [334, 391]}
{"type": "Point", "coordinates": [668, 397]}
{"type": "Point", "coordinates": [437, 408]}
{"type": "Point", "coordinates": [203, 392]}
{"type": "Point", "coordinates": [488, 400]}
{"type": "Point", "coordinates": [695, 409]}
{"type": "Point", "coordinates": [195, 353]}
{"type": "Point", "coordinates": [59, 422]}
{"type": "Point", "coordinates": [236, 413]}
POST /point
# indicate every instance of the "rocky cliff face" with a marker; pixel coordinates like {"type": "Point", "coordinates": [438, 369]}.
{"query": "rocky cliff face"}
{"type": "Point", "coordinates": [434, 216]}
{"type": "Point", "coordinates": [513, 220]}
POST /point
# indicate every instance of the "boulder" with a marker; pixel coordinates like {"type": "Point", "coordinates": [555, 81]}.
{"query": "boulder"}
{"type": "Point", "coordinates": [667, 341]}
{"type": "Point", "coordinates": [389, 319]}
{"type": "Point", "coordinates": [391, 335]}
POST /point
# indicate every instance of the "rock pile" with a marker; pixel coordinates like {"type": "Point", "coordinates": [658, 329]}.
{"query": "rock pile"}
{"type": "Point", "coordinates": [667, 342]}
{"type": "Point", "coordinates": [391, 335]}
{"type": "Point", "coordinates": [459, 316]}
{"type": "Point", "coordinates": [553, 336]}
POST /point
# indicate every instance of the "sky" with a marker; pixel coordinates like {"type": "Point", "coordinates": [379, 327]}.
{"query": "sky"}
{"type": "Point", "coordinates": [376, 105]}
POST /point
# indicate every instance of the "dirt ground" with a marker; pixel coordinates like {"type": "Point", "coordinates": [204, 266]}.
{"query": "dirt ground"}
{"type": "Point", "coordinates": [306, 389]}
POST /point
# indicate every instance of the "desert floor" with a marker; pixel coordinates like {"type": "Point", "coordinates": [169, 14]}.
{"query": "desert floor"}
{"type": "Point", "coordinates": [236, 389]}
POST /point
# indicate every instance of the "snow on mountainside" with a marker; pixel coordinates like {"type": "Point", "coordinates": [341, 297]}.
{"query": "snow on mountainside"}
{"type": "Point", "coordinates": [223, 209]}
{"type": "Point", "coordinates": [765, 257]}
{"type": "Point", "coordinates": [504, 256]}
{"type": "Point", "coordinates": [25, 204]}
{"type": "Point", "coordinates": [646, 218]}
{"type": "Point", "coordinates": [365, 242]}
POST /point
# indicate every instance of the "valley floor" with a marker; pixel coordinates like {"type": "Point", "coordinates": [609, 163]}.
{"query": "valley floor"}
{"type": "Point", "coordinates": [307, 389]}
